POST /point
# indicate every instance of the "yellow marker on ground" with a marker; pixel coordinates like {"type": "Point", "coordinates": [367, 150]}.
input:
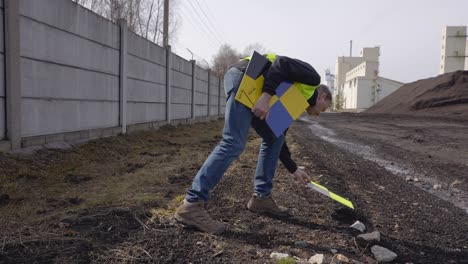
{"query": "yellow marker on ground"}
{"type": "Point", "coordinates": [323, 190]}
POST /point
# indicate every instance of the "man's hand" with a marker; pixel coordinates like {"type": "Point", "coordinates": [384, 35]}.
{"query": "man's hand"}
{"type": "Point", "coordinates": [262, 106]}
{"type": "Point", "coordinates": [302, 176]}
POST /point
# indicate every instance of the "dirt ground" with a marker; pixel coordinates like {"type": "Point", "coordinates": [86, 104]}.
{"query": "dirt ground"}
{"type": "Point", "coordinates": [111, 200]}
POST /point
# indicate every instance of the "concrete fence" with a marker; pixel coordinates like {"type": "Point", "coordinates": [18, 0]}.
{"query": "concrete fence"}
{"type": "Point", "coordinates": [67, 73]}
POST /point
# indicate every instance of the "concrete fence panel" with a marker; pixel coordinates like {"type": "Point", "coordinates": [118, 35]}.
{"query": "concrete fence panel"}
{"type": "Point", "coordinates": [214, 95]}
{"type": "Point", "coordinates": [67, 73]}
{"type": "Point", "coordinates": [146, 80]}
{"type": "Point", "coordinates": [181, 85]}
{"type": "Point", "coordinates": [201, 92]}
{"type": "Point", "coordinates": [69, 69]}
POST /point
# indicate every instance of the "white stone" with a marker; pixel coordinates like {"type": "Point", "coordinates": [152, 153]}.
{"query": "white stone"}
{"type": "Point", "coordinates": [374, 236]}
{"type": "Point", "coordinates": [277, 255]}
{"type": "Point", "coordinates": [316, 259]}
{"type": "Point", "coordinates": [334, 251]}
{"type": "Point", "coordinates": [359, 226]}
{"type": "Point", "coordinates": [382, 254]}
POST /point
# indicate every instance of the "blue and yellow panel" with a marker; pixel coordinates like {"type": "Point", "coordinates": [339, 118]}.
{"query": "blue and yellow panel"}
{"type": "Point", "coordinates": [294, 101]}
{"type": "Point", "coordinates": [285, 107]}
{"type": "Point", "coordinates": [288, 107]}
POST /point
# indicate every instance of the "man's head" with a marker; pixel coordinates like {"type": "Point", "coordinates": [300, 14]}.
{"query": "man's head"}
{"type": "Point", "coordinates": [320, 100]}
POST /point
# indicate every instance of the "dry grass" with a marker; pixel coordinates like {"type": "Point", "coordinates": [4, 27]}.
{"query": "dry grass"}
{"type": "Point", "coordinates": [128, 171]}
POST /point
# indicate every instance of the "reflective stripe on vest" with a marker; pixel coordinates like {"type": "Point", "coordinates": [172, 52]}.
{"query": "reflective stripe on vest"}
{"type": "Point", "coordinates": [306, 90]}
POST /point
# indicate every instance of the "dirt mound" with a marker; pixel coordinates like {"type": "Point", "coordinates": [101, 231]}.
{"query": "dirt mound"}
{"type": "Point", "coordinates": [446, 95]}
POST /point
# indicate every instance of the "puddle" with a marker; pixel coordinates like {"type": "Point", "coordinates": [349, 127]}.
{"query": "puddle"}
{"type": "Point", "coordinates": [452, 195]}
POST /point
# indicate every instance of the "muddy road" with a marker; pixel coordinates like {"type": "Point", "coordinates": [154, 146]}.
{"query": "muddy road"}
{"type": "Point", "coordinates": [111, 200]}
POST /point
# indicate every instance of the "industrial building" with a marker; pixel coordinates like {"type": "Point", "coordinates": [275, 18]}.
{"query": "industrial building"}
{"type": "Point", "coordinates": [358, 84]}
{"type": "Point", "coordinates": [454, 49]}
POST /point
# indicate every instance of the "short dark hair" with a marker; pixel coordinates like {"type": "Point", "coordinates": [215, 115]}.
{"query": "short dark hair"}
{"type": "Point", "coordinates": [321, 89]}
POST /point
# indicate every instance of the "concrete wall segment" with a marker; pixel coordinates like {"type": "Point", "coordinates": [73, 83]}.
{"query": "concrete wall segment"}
{"type": "Point", "coordinates": [73, 18]}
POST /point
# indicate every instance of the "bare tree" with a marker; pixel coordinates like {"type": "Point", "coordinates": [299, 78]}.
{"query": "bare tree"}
{"type": "Point", "coordinates": [144, 17]}
{"type": "Point", "coordinates": [225, 57]}
{"type": "Point", "coordinates": [258, 47]}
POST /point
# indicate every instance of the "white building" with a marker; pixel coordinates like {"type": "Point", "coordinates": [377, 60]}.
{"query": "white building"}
{"type": "Point", "coordinates": [358, 80]}
{"type": "Point", "coordinates": [454, 49]}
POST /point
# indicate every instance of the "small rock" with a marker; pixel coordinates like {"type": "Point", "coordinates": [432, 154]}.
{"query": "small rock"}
{"type": "Point", "coordinates": [415, 179]}
{"type": "Point", "coordinates": [382, 254]}
{"type": "Point", "coordinates": [277, 255]}
{"type": "Point", "coordinates": [359, 226]}
{"type": "Point", "coordinates": [199, 243]}
{"type": "Point", "coordinates": [374, 236]}
{"type": "Point", "coordinates": [408, 178]}
{"type": "Point", "coordinates": [334, 251]}
{"type": "Point", "coordinates": [342, 258]}
{"type": "Point", "coordinates": [381, 188]}
{"type": "Point", "coordinates": [316, 259]}
{"type": "Point", "coordinates": [435, 186]}
{"type": "Point", "coordinates": [302, 244]}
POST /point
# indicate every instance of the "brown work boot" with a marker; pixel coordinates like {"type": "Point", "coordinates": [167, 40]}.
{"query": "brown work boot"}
{"type": "Point", "coordinates": [266, 204]}
{"type": "Point", "coordinates": [194, 214]}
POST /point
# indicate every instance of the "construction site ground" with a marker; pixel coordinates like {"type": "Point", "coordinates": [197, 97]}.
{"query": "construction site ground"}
{"type": "Point", "coordinates": [112, 200]}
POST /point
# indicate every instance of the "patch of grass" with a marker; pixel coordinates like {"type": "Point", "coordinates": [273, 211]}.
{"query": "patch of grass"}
{"type": "Point", "coordinates": [146, 198]}
{"type": "Point", "coordinates": [288, 260]}
{"type": "Point", "coordinates": [179, 198]}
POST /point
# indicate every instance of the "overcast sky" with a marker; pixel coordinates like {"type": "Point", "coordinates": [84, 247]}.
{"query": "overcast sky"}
{"type": "Point", "coordinates": [407, 31]}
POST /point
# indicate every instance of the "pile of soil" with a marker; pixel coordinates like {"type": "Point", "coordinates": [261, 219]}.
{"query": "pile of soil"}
{"type": "Point", "coordinates": [445, 95]}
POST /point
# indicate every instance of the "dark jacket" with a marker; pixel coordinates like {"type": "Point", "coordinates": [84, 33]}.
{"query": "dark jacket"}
{"type": "Point", "coordinates": [285, 157]}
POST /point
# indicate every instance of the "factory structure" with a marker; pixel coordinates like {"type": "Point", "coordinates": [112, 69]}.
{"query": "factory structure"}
{"type": "Point", "coordinates": [454, 49]}
{"type": "Point", "coordinates": [357, 84]}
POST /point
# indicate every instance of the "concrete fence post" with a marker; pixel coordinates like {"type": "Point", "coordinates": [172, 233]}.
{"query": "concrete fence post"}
{"type": "Point", "coordinates": [168, 83]}
{"type": "Point", "coordinates": [123, 75]}
{"type": "Point", "coordinates": [193, 88]}
{"type": "Point", "coordinates": [209, 92]}
{"type": "Point", "coordinates": [12, 73]}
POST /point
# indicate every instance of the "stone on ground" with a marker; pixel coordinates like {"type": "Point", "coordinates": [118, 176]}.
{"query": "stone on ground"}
{"type": "Point", "coordinates": [374, 236]}
{"type": "Point", "coordinates": [316, 259]}
{"type": "Point", "coordinates": [277, 255]}
{"type": "Point", "coordinates": [359, 226]}
{"type": "Point", "coordinates": [382, 254]}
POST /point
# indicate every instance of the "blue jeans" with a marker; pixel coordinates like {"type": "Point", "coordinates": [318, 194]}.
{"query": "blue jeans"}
{"type": "Point", "coordinates": [238, 119]}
